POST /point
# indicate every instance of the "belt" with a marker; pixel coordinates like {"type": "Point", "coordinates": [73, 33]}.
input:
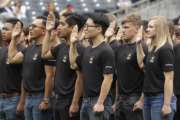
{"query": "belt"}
{"type": "Point", "coordinates": [57, 96]}
{"type": "Point", "coordinates": [7, 95]}
{"type": "Point", "coordinates": [34, 93]}
{"type": "Point", "coordinates": [152, 94]}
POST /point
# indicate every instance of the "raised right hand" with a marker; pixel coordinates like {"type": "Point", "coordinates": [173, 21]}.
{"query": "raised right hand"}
{"type": "Point", "coordinates": [50, 24]}
{"type": "Point", "coordinates": [17, 30]}
{"type": "Point", "coordinates": [74, 34]}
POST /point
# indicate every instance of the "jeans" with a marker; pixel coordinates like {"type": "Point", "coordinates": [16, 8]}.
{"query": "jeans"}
{"type": "Point", "coordinates": [153, 107]}
{"type": "Point", "coordinates": [177, 114]}
{"type": "Point", "coordinates": [87, 113]}
{"type": "Point", "coordinates": [8, 108]}
{"type": "Point", "coordinates": [124, 108]}
{"type": "Point", "coordinates": [62, 105]}
{"type": "Point", "coordinates": [32, 111]}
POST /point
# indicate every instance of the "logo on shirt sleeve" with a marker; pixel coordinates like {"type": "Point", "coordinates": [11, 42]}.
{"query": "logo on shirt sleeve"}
{"type": "Point", "coordinates": [7, 61]}
{"type": "Point", "coordinates": [64, 59]}
{"type": "Point", "coordinates": [129, 56]}
{"type": "Point", "coordinates": [152, 59]}
{"type": "Point", "coordinates": [35, 56]}
{"type": "Point", "coordinates": [91, 59]}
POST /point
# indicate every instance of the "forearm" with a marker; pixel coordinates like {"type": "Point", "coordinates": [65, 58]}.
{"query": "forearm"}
{"type": "Point", "coordinates": [78, 90]}
{"type": "Point", "coordinates": [48, 87]}
{"type": "Point", "coordinates": [105, 87]}
{"type": "Point", "coordinates": [12, 50]}
{"type": "Point", "coordinates": [46, 45]}
{"type": "Point", "coordinates": [168, 89]}
{"type": "Point", "coordinates": [117, 91]}
{"type": "Point", "coordinates": [73, 55]}
{"type": "Point", "coordinates": [23, 94]}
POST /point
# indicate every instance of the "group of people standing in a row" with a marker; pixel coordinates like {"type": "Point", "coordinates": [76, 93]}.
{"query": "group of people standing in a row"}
{"type": "Point", "coordinates": [85, 67]}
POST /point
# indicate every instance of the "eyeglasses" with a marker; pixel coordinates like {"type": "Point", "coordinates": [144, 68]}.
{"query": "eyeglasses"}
{"type": "Point", "coordinates": [88, 26]}
{"type": "Point", "coordinates": [34, 26]}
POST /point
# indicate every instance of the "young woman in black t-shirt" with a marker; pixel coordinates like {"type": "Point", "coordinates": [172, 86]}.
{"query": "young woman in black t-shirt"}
{"type": "Point", "coordinates": [159, 103]}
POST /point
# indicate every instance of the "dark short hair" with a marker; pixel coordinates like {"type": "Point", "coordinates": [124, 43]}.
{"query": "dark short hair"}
{"type": "Point", "coordinates": [44, 19]}
{"type": "Point", "coordinates": [74, 19]}
{"type": "Point", "coordinates": [100, 19]}
{"type": "Point", "coordinates": [13, 21]}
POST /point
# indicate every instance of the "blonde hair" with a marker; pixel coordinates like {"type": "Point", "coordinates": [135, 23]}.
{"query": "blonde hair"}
{"type": "Point", "coordinates": [162, 33]}
{"type": "Point", "coordinates": [132, 18]}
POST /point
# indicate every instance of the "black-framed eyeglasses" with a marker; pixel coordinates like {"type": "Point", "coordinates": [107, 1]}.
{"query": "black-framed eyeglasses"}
{"type": "Point", "coordinates": [34, 26]}
{"type": "Point", "coordinates": [89, 26]}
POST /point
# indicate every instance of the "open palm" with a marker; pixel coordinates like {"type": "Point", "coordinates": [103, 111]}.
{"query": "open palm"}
{"type": "Point", "coordinates": [17, 30]}
{"type": "Point", "coordinates": [50, 22]}
{"type": "Point", "coordinates": [74, 34]}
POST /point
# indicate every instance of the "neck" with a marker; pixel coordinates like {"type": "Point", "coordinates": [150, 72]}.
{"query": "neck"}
{"type": "Point", "coordinates": [97, 40]}
{"type": "Point", "coordinates": [111, 39]}
{"type": "Point", "coordinates": [5, 43]}
{"type": "Point", "coordinates": [67, 38]}
{"type": "Point", "coordinates": [39, 40]}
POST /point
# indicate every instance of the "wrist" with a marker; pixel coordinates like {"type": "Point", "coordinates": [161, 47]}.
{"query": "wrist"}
{"type": "Point", "coordinates": [100, 103]}
{"type": "Point", "coordinates": [75, 102]}
{"type": "Point", "coordinates": [166, 104]}
{"type": "Point", "coordinates": [45, 100]}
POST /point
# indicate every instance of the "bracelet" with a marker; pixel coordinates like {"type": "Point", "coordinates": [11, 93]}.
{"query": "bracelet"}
{"type": "Point", "coordinates": [45, 100]}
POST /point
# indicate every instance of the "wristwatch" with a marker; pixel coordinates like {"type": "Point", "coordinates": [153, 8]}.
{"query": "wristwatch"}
{"type": "Point", "coordinates": [46, 100]}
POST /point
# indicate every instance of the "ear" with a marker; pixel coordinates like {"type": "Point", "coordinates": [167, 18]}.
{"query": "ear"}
{"type": "Point", "coordinates": [44, 31]}
{"type": "Point", "coordinates": [99, 29]}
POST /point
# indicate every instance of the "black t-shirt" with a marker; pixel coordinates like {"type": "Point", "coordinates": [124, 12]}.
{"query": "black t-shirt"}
{"type": "Point", "coordinates": [94, 63]}
{"type": "Point", "coordinates": [10, 74]}
{"type": "Point", "coordinates": [129, 75]}
{"type": "Point", "coordinates": [177, 69]}
{"type": "Point", "coordinates": [34, 69]}
{"type": "Point", "coordinates": [157, 62]}
{"type": "Point", "coordinates": [65, 77]}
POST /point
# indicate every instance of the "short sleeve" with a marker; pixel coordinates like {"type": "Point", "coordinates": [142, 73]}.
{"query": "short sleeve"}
{"type": "Point", "coordinates": [23, 51]}
{"type": "Point", "coordinates": [107, 61]}
{"type": "Point", "coordinates": [166, 56]}
{"type": "Point", "coordinates": [50, 62]}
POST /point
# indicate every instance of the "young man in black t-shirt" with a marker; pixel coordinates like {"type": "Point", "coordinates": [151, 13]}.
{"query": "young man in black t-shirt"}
{"type": "Point", "coordinates": [37, 73]}
{"type": "Point", "coordinates": [96, 65]}
{"type": "Point", "coordinates": [177, 72]}
{"type": "Point", "coordinates": [65, 77]}
{"type": "Point", "coordinates": [129, 73]}
{"type": "Point", "coordinates": [10, 77]}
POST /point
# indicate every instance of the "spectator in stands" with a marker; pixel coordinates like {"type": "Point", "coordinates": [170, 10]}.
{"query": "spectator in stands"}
{"type": "Point", "coordinates": [19, 10]}
{"type": "Point", "coordinates": [69, 9]}
{"type": "Point", "coordinates": [51, 8]}
{"type": "Point", "coordinates": [6, 9]}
